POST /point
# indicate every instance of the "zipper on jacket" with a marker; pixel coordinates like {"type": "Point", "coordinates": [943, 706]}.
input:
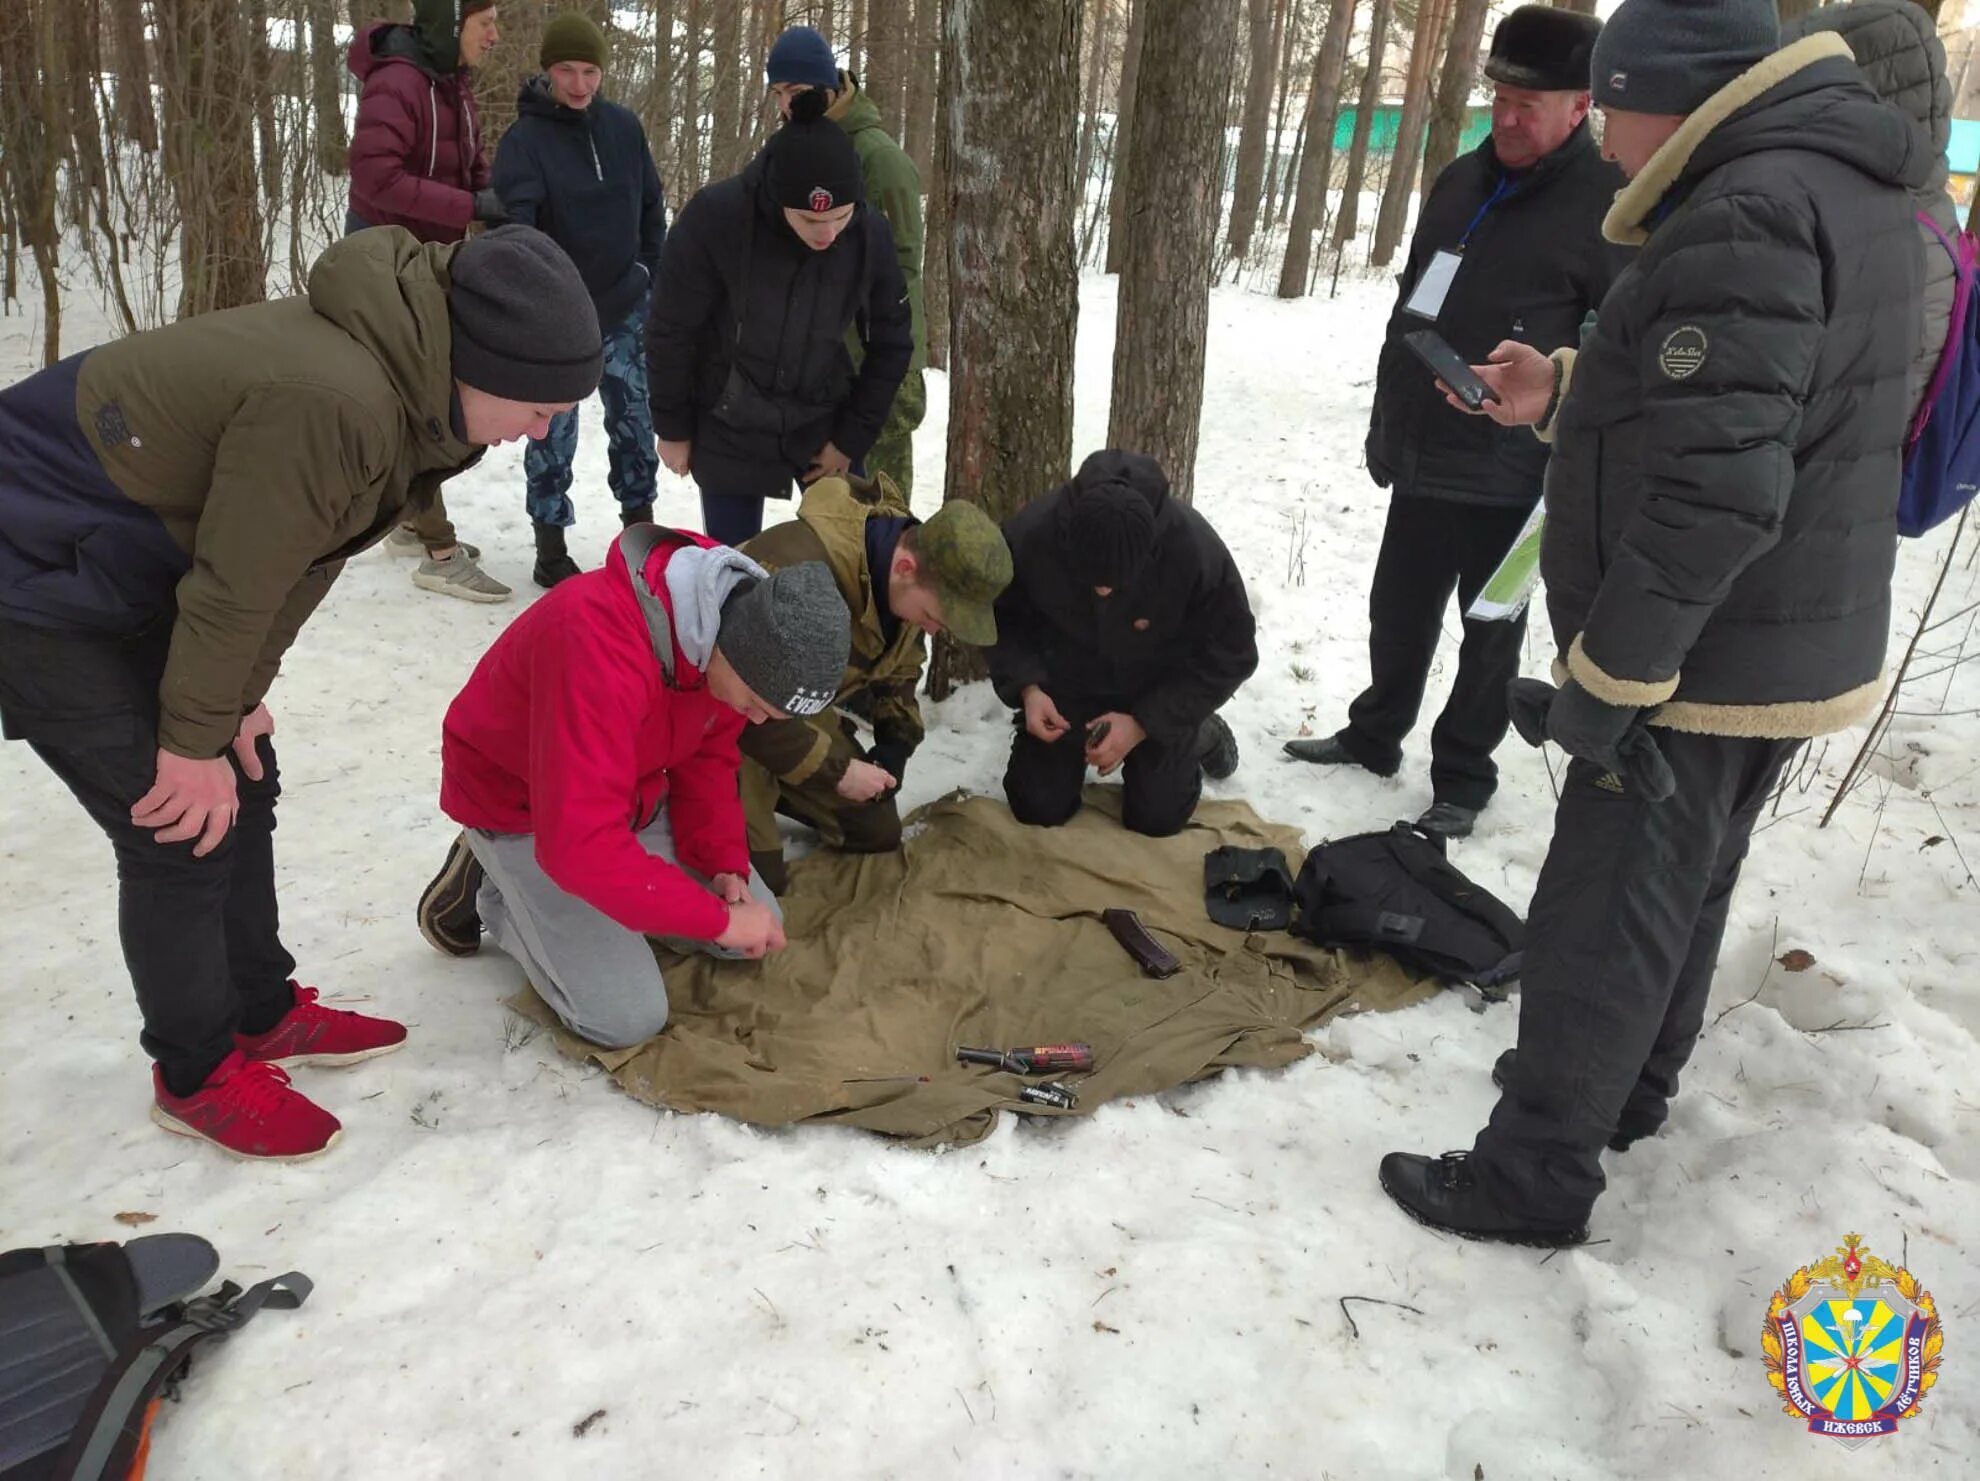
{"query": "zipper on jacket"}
{"type": "Point", "coordinates": [433, 131]}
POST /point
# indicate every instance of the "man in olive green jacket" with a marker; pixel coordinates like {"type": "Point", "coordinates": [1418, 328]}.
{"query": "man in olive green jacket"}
{"type": "Point", "coordinates": [903, 581]}
{"type": "Point", "coordinates": [173, 506]}
{"type": "Point", "coordinates": [802, 60]}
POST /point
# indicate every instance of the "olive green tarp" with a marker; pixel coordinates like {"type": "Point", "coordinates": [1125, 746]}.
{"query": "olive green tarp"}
{"type": "Point", "coordinates": [981, 931]}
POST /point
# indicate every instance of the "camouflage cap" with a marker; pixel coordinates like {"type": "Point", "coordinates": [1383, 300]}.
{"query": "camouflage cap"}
{"type": "Point", "coordinates": [963, 556]}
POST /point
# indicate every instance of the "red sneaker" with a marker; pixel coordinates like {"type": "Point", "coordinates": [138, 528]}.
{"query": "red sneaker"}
{"type": "Point", "coordinates": [310, 1033]}
{"type": "Point", "coordinates": [248, 1110]}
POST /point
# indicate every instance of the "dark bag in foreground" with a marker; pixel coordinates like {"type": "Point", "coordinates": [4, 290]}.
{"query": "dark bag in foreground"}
{"type": "Point", "coordinates": [1396, 892]}
{"type": "Point", "coordinates": [92, 1336]}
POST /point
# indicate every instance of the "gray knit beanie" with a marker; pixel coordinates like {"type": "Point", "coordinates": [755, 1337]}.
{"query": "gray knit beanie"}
{"type": "Point", "coordinates": [524, 326]}
{"type": "Point", "coordinates": [1669, 56]}
{"type": "Point", "coordinates": [787, 637]}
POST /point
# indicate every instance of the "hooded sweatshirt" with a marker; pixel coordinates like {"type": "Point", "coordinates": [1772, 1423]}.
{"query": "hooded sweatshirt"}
{"type": "Point", "coordinates": [568, 731]}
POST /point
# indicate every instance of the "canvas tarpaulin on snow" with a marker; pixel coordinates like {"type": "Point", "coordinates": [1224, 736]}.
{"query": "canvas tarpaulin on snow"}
{"type": "Point", "coordinates": [982, 931]}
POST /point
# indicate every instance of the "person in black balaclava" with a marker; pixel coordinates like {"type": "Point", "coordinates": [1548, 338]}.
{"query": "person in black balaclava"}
{"type": "Point", "coordinates": [761, 278]}
{"type": "Point", "coordinates": [1124, 629]}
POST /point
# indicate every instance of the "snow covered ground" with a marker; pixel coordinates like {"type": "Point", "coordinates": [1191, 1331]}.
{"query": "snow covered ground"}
{"type": "Point", "coordinates": [520, 1272]}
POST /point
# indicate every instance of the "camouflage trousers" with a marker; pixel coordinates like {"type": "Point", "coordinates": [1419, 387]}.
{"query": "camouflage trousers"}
{"type": "Point", "coordinates": [893, 454]}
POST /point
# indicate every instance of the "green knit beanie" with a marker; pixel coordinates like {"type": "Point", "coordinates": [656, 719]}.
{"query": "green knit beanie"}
{"type": "Point", "coordinates": [572, 37]}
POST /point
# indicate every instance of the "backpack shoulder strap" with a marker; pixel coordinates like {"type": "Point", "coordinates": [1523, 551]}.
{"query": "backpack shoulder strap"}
{"type": "Point", "coordinates": [112, 1427]}
{"type": "Point", "coordinates": [636, 544]}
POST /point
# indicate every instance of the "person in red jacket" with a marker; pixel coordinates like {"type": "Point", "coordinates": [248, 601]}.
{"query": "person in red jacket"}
{"type": "Point", "coordinates": [591, 761]}
{"type": "Point", "coordinates": [417, 161]}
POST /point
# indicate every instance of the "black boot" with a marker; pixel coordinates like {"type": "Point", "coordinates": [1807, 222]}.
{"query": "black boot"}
{"type": "Point", "coordinates": [1328, 750]}
{"type": "Point", "coordinates": [1626, 1135]}
{"type": "Point", "coordinates": [1444, 1193]}
{"type": "Point", "coordinates": [553, 562]}
{"type": "Point", "coordinates": [1447, 820]}
{"type": "Point", "coordinates": [1217, 748]}
{"type": "Point", "coordinates": [630, 517]}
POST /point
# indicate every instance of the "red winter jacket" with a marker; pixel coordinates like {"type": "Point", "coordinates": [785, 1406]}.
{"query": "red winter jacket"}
{"type": "Point", "coordinates": [416, 157]}
{"type": "Point", "coordinates": [567, 730]}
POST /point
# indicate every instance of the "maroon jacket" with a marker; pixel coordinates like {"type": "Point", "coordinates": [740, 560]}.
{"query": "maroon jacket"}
{"type": "Point", "coordinates": [416, 154]}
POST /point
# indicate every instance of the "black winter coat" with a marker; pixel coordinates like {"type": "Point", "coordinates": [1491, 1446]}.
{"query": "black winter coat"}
{"type": "Point", "coordinates": [1534, 267]}
{"type": "Point", "coordinates": [1721, 504]}
{"type": "Point", "coordinates": [1173, 647]}
{"type": "Point", "coordinates": [586, 178]}
{"type": "Point", "coordinates": [738, 289]}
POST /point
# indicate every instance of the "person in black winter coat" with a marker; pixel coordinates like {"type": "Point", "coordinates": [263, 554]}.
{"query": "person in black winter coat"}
{"type": "Point", "coordinates": [1721, 530]}
{"type": "Point", "coordinates": [1519, 217]}
{"type": "Point", "coordinates": [576, 167]}
{"type": "Point", "coordinates": [762, 277]}
{"type": "Point", "coordinates": [1126, 611]}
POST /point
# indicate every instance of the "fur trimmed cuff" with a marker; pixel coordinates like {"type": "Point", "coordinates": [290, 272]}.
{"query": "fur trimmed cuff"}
{"type": "Point", "coordinates": [1563, 359]}
{"type": "Point", "coordinates": [1638, 693]}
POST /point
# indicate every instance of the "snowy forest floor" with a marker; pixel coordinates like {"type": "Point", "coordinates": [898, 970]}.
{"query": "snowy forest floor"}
{"type": "Point", "coordinates": [521, 1272]}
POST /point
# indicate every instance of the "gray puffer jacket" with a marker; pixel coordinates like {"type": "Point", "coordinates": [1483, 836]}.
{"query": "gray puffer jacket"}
{"type": "Point", "coordinates": [1902, 58]}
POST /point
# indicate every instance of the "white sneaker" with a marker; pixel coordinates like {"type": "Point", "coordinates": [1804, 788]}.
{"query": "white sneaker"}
{"type": "Point", "coordinates": [403, 542]}
{"type": "Point", "coordinates": [459, 576]}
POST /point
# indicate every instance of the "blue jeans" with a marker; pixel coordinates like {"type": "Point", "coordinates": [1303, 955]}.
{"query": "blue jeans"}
{"type": "Point", "coordinates": [628, 423]}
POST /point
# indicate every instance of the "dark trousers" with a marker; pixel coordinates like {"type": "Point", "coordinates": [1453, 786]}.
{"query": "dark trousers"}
{"type": "Point", "coordinates": [1043, 782]}
{"type": "Point", "coordinates": [201, 936]}
{"type": "Point", "coordinates": [731, 519]}
{"type": "Point", "coordinates": [1431, 547]}
{"type": "Point", "coordinates": [1622, 940]}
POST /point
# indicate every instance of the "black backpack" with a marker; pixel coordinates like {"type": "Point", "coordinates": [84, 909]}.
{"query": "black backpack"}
{"type": "Point", "coordinates": [1396, 891]}
{"type": "Point", "coordinates": [92, 1336]}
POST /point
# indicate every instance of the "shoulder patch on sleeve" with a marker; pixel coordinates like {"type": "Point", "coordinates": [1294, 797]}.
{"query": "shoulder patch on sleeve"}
{"type": "Point", "coordinates": [1682, 352]}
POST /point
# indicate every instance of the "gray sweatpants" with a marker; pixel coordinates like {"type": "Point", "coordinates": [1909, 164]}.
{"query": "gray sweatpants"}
{"type": "Point", "coordinates": [598, 977]}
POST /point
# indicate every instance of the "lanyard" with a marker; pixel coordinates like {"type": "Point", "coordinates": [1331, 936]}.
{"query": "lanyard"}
{"type": "Point", "coordinates": [1490, 201]}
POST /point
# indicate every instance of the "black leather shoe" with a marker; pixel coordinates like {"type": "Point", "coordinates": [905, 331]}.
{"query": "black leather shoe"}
{"type": "Point", "coordinates": [1444, 1193]}
{"type": "Point", "coordinates": [1626, 1135]}
{"type": "Point", "coordinates": [1217, 748]}
{"type": "Point", "coordinates": [1327, 750]}
{"type": "Point", "coordinates": [1447, 820]}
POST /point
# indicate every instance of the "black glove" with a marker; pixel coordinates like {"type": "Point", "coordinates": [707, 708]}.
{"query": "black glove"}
{"type": "Point", "coordinates": [1613, 737]}
{"type": "Point", "coordinates": [488, 207]}
{"type": "Point", "coordinates": [891, 756]}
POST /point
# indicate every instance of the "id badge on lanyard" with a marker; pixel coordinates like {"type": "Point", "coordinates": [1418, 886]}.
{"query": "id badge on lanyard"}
{"type": "Point", "coordinates": [1426, 300]}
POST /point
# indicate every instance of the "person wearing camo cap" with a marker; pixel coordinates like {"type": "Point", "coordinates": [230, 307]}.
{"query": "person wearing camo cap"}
{"type": "Point", "coordinates": [902, 581]}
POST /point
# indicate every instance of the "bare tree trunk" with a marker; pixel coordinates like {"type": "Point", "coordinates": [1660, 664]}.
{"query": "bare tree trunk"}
{"type": "Point", "coordinates": [1284, 44]}
{"type": "Point", "coordinates": [1163, 323]}
{"type": "Point", "coordinates": [1316, 162]}
{"type": "Point", "coordinates": [725, 130]}
{"type": "Point", "coordinates": [136, 118]}
{"type": "Point", "coordinates": [31, 135]}
{"type": "Point", "coordinates": [1124, 130]}
{"type": "Point", "coordinates": [935, 221]}
{"type": "Point", "coordinates": [1011, 105]}
{"type": "Point", "coordinates": [261, 81]}
{"type": "Point", "coordinates": [1393, 215]}
{"type": "Point", "coordinates": [326, 89]}
{"type": "Point", "coordinates": [658, 114]}
{"type": "Point", "coordinates": [920, 140]}
{"type": "Point", "coordinates": [1100, 29]}
{"type": "Point", "coordinates": [1347, 223]}
{"type": "Point", "coordinates": [1257, 121]}
{"type": "Point", "coordinates": [689, 95]}
{"type": "Point", "coordinates": [889, 38]}
{"type": "Point", "coordinates": [858, 52]}
{"type": "Point", "coordinates": [1447, 113]}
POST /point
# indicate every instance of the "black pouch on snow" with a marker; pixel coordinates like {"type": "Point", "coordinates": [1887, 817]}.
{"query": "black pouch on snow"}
{"type": "Point", "coordinates": [1248, 889]}
{"type": "Point", "coordinates": [1396, 892]}
{"type": "Point", "coordinates": [92, 1336]}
